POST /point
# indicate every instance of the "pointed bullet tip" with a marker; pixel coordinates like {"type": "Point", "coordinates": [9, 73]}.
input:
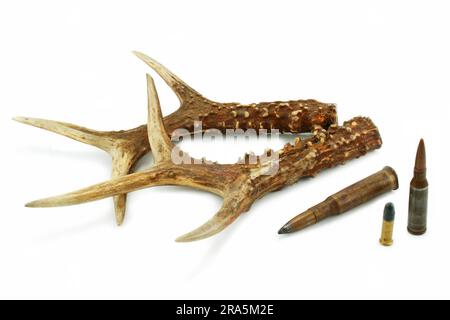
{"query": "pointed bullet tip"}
{"type": "Point", "coordinates": [421, 144]}
{"type": "Point", "coordinates": [284, 230]}
{"type": "Point", "coordinates": [420, 164]}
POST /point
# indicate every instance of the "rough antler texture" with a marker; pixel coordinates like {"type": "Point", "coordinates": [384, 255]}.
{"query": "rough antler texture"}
{"type": "Point", "coordinates": [239, 184]}
{"type": "Point", "coordinates": [127, 147]}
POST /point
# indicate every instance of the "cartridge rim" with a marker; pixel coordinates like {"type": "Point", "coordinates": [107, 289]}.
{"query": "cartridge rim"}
{"type": "Point", "coordinates": [387, 243]}
{"type": "Point", "coordinates": [416, 232]}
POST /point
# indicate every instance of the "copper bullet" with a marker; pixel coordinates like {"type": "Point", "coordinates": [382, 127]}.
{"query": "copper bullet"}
{"type": "Point", "coordinates": [418, 194]}
{"type": "Point", "coordinates": [346, 199]}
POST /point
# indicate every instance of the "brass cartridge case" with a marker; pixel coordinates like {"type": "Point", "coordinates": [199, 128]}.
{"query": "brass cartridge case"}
{"type": "Point", "coordinates": [388, 225]}
{"type": "Point", "coordinates": [361, 192]}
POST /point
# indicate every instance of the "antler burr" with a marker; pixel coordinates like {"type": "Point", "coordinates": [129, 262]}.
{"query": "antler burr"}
{"type": "Point", "coordinates": [240, 185]}
{"type": "Point", "coordinates": [126, 147]}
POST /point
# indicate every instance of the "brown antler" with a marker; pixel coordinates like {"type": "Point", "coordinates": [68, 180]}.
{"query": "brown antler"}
{"type": "Point", "coordinates": [239, 184]}
{"type": "Point", "coordinates": [127, 147]}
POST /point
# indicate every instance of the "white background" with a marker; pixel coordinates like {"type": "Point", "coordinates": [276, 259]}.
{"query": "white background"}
{"type": "Point", "coordinates": [72, 61]}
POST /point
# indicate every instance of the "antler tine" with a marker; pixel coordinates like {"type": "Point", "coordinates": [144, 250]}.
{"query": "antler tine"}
{"type": "Point", "coordinates": [122, 162]}
{"type": "Point", "coordinates": [233, 206]}
{"type": "Point", "coordinates": [183, 91]}
{"type": "Point", "coordinates": [124, 155]}
{"type": "Point", "coordinates": [157, 135]}
{"type": "Point", "coordinates": [95, 138]}
{"type": "Point", "coordinates": [100, 191]}
{"type": "Point", "coordinates": [164, 174]}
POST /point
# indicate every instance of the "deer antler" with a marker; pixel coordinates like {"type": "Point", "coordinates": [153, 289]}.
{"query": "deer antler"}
{"type": "Point", "coordinates": [239, 185]}
{"type": "Point", "coordinates": [127, 147]}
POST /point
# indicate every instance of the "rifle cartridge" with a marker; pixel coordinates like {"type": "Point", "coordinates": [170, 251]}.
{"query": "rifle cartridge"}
{"type": "Point", "coordinates": [418, 194]}
{"type": "Point", "coordinates": [361, 192]}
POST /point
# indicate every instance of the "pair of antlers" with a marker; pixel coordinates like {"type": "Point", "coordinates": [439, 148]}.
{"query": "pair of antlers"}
{"type": "Point", "coordinates": [240, 185]}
